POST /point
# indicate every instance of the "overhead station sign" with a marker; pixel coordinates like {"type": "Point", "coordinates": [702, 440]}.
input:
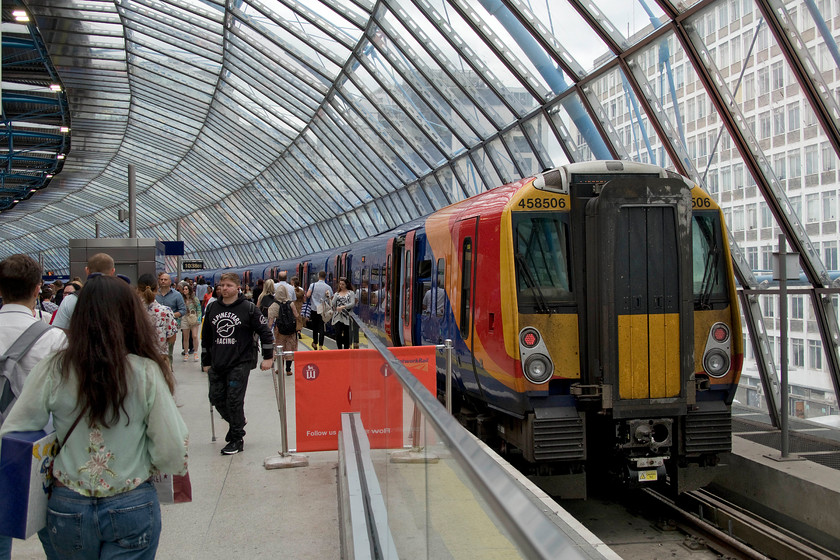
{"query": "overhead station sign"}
{"type": "Point", "coordinates": [192, 265]}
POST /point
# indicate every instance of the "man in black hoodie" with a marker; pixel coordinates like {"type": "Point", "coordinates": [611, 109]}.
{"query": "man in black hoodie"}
{"type": "Point", "coordinates": [227, 354]}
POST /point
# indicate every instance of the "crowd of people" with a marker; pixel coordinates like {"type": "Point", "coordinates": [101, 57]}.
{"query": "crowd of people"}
{"type": "Point", "coordinates": [100, 370]}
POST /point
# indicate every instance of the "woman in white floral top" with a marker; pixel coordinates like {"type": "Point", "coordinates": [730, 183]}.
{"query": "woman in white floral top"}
{"type": "Point", "coordinates": [163, 320]}
{"type": "Point", "coordinates": [110, 395]}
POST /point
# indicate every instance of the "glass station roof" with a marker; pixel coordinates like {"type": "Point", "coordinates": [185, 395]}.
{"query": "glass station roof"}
{"type": "Point", "coordinates": [260, 129]}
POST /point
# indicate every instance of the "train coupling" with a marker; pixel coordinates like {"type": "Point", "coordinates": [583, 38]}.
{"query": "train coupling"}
{"type": "Point", "coordinates": [642, 470]}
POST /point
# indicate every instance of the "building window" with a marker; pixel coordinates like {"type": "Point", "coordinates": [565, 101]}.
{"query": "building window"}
{"type": "Point", "coordinates": [778, 121]}
{"type": "Point", "coordinates": [766, 215]}
{"type": "Point", "coordinates": [752, 257]}
{"type": "Point", "coordinates": [778, 75]}
{"type": "Point", "coordinates": [812, 207]}
{"type": "Point", "coordinates": [725, 179]}
{"type": "Point", "coordinates": [830, 254]}
{"type": "Point", "coordinates": [829, 158]}
{"type": "Point", "coordinates": [766, 258]}
{"type": "Point", "coordinates": [768, 304]}
{"type": "Point", "coordinates": [797, 307]}
{"type": "Point", "coordinates": [797, 352]}
{"type": "Point", "coordinates": [812, 159]}
{"type": "Point", "coordinates": [779, 166]}
{"type": "Point", "coordinates": [763, 126]}
{"type": "Point", "coordinates": [763, 80]}
{"type": "Point", "coordinates": [749, 86]}
{"type": "Point", "coordinates": [815, 354]}
{"type": "Point", "coordinates": [794, 164]}
{"type": "Point", "coordinates": [737, 219]}
{"type": "Point", "coordinates": [793, 116]}
{"type": "Point", "coordinates": [829, 199]}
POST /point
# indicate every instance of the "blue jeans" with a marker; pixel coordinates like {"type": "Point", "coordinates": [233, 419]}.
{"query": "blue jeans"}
{"type": "Point", "coordinates": [125, 526]}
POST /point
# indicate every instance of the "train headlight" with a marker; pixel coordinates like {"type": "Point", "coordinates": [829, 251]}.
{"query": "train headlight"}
{"type": "Point", "coordinates": [530, 338]}
{"type": "Point", "coordinates": [716, 362]}
{"type": "Point", "coordinates": [720, 332]}
{"type": "Point", "coordinates": [538, 368]}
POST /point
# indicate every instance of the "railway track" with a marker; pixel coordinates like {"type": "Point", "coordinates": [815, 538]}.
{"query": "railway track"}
{"type": "Point", "coordinates": [734, 531]}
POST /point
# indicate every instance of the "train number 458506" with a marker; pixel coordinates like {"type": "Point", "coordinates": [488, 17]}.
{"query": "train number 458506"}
{"type": "Point", "coordinates": [542, 203]}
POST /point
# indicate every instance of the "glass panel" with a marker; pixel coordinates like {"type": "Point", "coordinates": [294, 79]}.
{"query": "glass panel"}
{"type": "Point", "coordinates": [541, 134]}
{"type": "Point", "coordinates": [563, 22]}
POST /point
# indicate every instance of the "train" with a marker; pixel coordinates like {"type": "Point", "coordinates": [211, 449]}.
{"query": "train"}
{"type": "Point", "coordinates": [593, 313]}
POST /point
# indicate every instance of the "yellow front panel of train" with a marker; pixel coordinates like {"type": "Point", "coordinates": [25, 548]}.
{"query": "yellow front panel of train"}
{"type": "Point", "coordinates": [648, 356]}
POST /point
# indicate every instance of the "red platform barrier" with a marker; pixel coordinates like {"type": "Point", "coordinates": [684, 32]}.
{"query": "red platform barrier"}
{"type": "Point", "coordinates": [328, 383]}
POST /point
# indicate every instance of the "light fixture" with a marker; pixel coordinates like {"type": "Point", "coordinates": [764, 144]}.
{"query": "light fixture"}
{"type": "Point", "coordinates": [33, 190]}
{"type": "Point", "coordinates": [59, 156]}
{"type": "Point", "coordinates": [55, 87]}
{"type": "Point", "coordinates": [49, 175]}
{"type": "Point", "coordinates": [64, 129]}
{"type": "Point", "coordinates": [20, 16]}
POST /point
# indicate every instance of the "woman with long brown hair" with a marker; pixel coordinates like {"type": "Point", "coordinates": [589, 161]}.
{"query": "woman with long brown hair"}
{"type": "Point", "coordinates": [110, 396]}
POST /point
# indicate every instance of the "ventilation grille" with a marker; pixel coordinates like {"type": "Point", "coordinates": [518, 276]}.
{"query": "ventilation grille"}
{"type": "Point", "coordinates": [708, 432]}
{"type": "Point", "coordinates": [558, 439]}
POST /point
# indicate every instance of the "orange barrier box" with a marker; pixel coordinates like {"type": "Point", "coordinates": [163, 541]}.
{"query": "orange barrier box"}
{"type": "Point", "coordinates": [329, 383]}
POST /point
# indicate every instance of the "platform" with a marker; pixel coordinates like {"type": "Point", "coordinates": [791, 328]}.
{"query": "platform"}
{"type": "Point", "coordinates": [242, 510]}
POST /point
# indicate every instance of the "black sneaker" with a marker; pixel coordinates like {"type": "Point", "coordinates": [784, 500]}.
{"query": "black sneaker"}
{"type": "Point", "coordinates": [233, 447]}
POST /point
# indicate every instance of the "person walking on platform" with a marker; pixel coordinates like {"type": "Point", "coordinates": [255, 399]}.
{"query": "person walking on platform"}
{"type": "Point", "coordinates": [20, 280]}
{"type": "Point", "coordinates": [319, 294]}
{"type": "Point", "coordinates": [282, 315]}
{"type": "Point", "coordinates": [290, 290]}
{"type": "Point", "coordinates": [100, 263]}
{"type": "Point", "coordinates": [227, 354]}
{"type": "Point", "coordinates": [343, 303]}
{"type": "Point", "coordinates": [173, 300]}
{"type": "Point", "coordinates": [190, 322]}
{"type": "Point", "coordinates": [110, 396]}
{"type": "Point", "coordinates": [160, 316]}
{"type": "Point", "coordinates": [299, 295]}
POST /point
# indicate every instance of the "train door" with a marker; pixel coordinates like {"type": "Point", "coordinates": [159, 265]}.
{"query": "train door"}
{"type": "Point", "coordinates": [303, 275]}
{"type": "Point", "coordinates": [342, 267]}
{"type": "Point", "coordinates": [467, 239]}
{"type": "Point", "coordinates": [407, 290]}
{"type": "Point", "coordinates": [391, 292]}
{"type": "Point", "coordinates": [640, 270]}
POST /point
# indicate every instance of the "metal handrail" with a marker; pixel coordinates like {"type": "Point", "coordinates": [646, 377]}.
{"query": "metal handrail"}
{"type": "Point", "coordinates": [527, 525]}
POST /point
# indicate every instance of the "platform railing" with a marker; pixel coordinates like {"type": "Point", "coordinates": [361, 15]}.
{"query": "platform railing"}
{"type": "Point", "coordinates": [455, 494]}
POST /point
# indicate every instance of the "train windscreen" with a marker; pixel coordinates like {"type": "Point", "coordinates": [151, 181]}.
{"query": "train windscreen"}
{"type": "Point", "coordinates": [710, 289]}
{"type": "Point", "coordinates": [541, 249]}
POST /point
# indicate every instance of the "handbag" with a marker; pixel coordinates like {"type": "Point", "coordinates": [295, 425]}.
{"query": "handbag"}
{"type": "Point", "coordinates": [306, 309]}
{"type": "Point", "coordinates": [173, 488]}
{"type": "Point", "coordinates": [26, 467]}
{"type": "Point", "coordinates": [326, 312]}
{"type": "Point", "coordinates": [192, 318]}
{"type": "Point", "coordinates": [25, 480]}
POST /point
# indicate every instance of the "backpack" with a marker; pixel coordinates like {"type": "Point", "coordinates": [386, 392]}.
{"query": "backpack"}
{"type": "Point", "coordinates": [265, 303]}
{"type": "Point", "coordinates": [285, 318]}
{"type": "Point", "coordinates": [12, 375]}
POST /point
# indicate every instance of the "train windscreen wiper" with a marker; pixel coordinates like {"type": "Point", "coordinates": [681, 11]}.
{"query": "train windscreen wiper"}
{"type": "Point", "coordinates": [529, 279]}
{"type": "Point", "coordinates": [710, 276]}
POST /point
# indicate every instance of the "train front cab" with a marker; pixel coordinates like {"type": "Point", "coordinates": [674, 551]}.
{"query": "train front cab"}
{"type": "Point", "coordinates": [661, 327]}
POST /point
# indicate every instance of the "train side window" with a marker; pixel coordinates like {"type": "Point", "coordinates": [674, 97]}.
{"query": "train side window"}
{"type": "Point", "coordinates": [375, 286]}
{"type": "Point", "coordinates": [466, 286]}
{"type": "Point", "coordinates": [424, 285]}
{"type": "Point", "coordinates": [440, 287]}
